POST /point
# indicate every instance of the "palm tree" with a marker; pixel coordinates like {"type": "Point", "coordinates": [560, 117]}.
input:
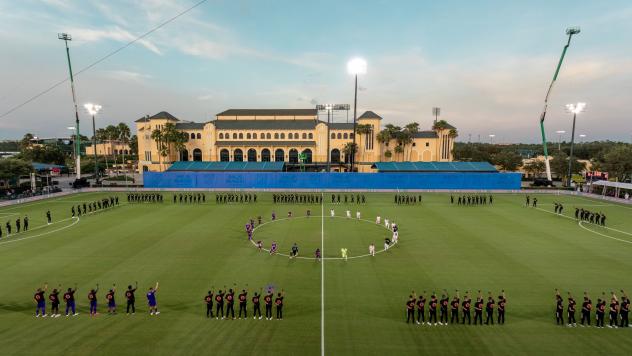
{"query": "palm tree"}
{"type": "Point", "coordinates": [350, 149]}
{"type": "Point", "coordinates": [404, 138]}
{"type": "Point", "coordinates": [383, 137]}
{"type": "Point", "coordinates": [399, 149]}
{"type": "Point", "coordinates": [124, 136]}
{"type": "Point", "coordinates": [158, 136]}
{"type": "Point", "coordinates": [363, 130]}
{"type": "Point", "coordinates": [412, 129]}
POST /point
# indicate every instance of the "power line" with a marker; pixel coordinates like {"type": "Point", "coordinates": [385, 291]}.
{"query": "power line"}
{"type": "Point", "coordinates": [44, 92]}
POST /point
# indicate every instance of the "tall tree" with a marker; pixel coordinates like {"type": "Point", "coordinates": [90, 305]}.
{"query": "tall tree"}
{"type": "Point", "coordinates": [350, 149]}
{"type": "Point", "coordinates": [618, 162]}
{"type": "Point", "coordinates": [26, 141]}
{"type": "Point", "coordinates": [508, 161]}
{"type": "Point", "coordinates": [12, 168]}
{"type": "Point", "coordinates": [383, 137]}
{"type": "Point", "coordinates": [363, 130]}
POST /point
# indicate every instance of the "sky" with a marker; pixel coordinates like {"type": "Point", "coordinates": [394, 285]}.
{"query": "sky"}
{"type": "Point", "coordinates": [486, 64]}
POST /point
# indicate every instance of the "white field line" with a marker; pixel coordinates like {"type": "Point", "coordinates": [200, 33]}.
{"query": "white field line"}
{"type": "Point", "coordinates": [603, 227]}
{"type": "Point", "coordinates": [76, 220]}
{"type": "Point", "coordinates": [322, 276]}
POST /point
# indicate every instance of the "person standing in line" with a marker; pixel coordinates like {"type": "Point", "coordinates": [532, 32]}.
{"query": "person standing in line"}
{"type": "Point", "coordinates": [69, 298]}
{"type": "Point", "coordinates": [279, 305]}
{"type": "Point", "coordinates": [502, 302]}
{"type": "Point", "coordinates": [465, 307]}
{"type": "Point", "coordinates": [131, 299]}
{"type": "Point", "coordinates": [256, 303]}
{"type": "Point", "coordinates": [570, 308]}
{"type": "Point", "coordinates": [624, 310]}
{"type": "Point", "coordinates": [92, 298]}
{"type": "Point", "coordinates": [410, 308]}
{"type": "Point", "coordinates": [586, 309]}
{"type": "Point", "coordinates": [421, 303]}
{"type": "Point", "coordinates": [559, 308]}
{"type": "Point", "coordinates": [40, 300]}
{"type": "Point", "coordinates": [151, 300]}
{"type": "Point", "coordinates": [454, 317]}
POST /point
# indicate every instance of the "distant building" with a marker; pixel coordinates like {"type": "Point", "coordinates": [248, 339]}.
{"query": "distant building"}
{"type": "Point", "coordinates": [109, 148]}
{"type": "Point", "coordinates": [264, 135]}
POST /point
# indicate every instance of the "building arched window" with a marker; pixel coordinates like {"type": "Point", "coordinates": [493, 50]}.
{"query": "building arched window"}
{"type": "Point", "coordinates": [197, 154]}
{"type": "Point", "coordinates": [282, 136]}
{"type": "Point", "coordinates": [296, 136]}
{"type": "Point", "coordinates": [304, 135]}
{"type": "Point", "coordinates": [265, 155]}
{"type": "Point", "coordinates": [276, 135]}
{"type": "Point", "coordinates": [184, 155]}
{"type": "Point", "coordinates": [192, 136]}
{"type": "Point", "coordinates": [241, 136]}
{"type": "Point", "coordinates": [224, 155]}
{"type": "Point", "coordinates": [198, 136]}
{"type": "Point", "coordinates": [351, 135]}
{"type": "Point", "coordinates": [310, 136]}
{"type": "Point", "coordinates": [345, 136]}
{"type": "Point", "coordinates": [335, 155]}
{"type": "Point", "coordinates": [279, 155]}
{"type": "Point", "coordinates": [252, 155]}
{"type": "Point", "coordinates": [234, 135]}
{"type": "Point", "coordinates": [268, 136]}
{"type": "Point", "coordinates": [238, 155]}
{"type": "Point", "coordinates": [221, 136]}
{"type": "Point", "coordinates": [339, 135]}
{"type": "Point", "coordinates": [333, 136]}
{"type": "Point", "coordinates": [293, 155]}
{"type": "Point", "coordinates": [248, 136]}
{"type": "Point", "coordinates": [308, 155]}
{"type": "Point", "coordinates": [290, 136]}
{"type": "Point", "coordinates": [254, 136]}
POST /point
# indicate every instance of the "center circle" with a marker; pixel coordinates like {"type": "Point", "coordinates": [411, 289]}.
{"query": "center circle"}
{"type": "Point", "coordinates": [354, 235]}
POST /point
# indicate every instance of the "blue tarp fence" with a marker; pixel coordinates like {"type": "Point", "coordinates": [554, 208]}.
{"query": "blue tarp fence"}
{"type": "Point", "coordinates": [326, 181]}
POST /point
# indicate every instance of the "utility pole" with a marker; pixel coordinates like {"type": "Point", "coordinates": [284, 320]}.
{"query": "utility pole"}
{"type": "Point", "coordinates": [66, 37]}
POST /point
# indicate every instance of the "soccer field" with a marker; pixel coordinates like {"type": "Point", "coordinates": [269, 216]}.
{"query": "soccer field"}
{"type": "Point", "coordinates": [189, 248]}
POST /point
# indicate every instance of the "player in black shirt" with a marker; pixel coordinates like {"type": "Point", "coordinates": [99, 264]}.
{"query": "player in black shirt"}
{"type": "Point", "coordinates": [466, 305]}
{"type": "Point", "coordinates": [443, 305]}
{"type": "Point", "coordinates": [54, 301]}
{"type": "Point", "coordinates": [625, 309]}
{"type": "Point", "coordinates": [601, 311]}
{"type": "Point", "coordinates": [586, 308]}
{"type": "Point", "coordinates": [243, 300]}
{"type": "Point", "coordinates": [478, 309]}
{"type": "Point", "coordinates": [208, 300]}
{"type": "Point", "coordinates": [40, 300]}
{"type": "Point", "coordinates": [432, 309]}
{"type": "Point", "coordinates": [230, 303]}
{"type": "Point", "coordinates": [614, 311]}
{"type": "Point", "coordinates": [421, 303]}
{"type": "Point", "coordinates": [559, 308]}
{"type": "Point", "coordinates": [489, 309]}
{"type": "Point", "coordinates": [410, 308]}
{"type": "Point", "coordinates": [49, 219]}
{"type": "Point", "coordinates": [219, 304]}
{"type": "Point", "coordinates": [256, 305]}
{"type": "Point", "coordinates": [268, 300]}
{"type": "Point", "coordinates": [454, 317]}
{"type": "Point", "coordinates": [279, 305]}
{"type": "Point", "coordinates": [131, 299]}
{"type": "Point", "coordinates": [69, 298]}
{"type": "Point", "coordinates": [502, 301]}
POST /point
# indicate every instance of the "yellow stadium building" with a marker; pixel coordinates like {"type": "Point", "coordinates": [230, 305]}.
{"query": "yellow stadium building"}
{"type": "Point", "coordinates": [298, 137]}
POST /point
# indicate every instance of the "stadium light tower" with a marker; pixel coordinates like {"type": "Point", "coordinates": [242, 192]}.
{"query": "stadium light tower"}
{"type": "Point", "coordinates": [93, 110]}
{"type": "Point", "coordinates": [574, 109]}
{"type": "Point", "coordinates": [491, 139]}
{"type": "Point", "coordinates": [559, 139]}
{"type": "Point", "coordinates": [355, 66]}
{"type": "Point", "coordinates": [570, 32]}
{"type": "Point", "coordinates": [582, 137]}
{"type": "Point", "coordinates": [66, 37]}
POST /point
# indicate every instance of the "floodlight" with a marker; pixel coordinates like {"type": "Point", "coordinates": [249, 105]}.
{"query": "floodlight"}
{"type": "Point", "coordinates": [576, 108]}
{"type": "Point", "coordinates": [573, 30]}
{"type": "Point", "coordinates": [92, 109]}
{"type": "Point", "coordinates": [356, 66]}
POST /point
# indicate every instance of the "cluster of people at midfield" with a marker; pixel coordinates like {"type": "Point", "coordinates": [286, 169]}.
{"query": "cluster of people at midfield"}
{"type": "Point", "coordinates": [71, 307]}
{"type": "Point", "coordinates": [145, 198]}
{"type": "Point", "coordinates": [407, 199]}
{"type": "Point", "coordinates": [618, 311]}
{"type": "Point", "coordinates": [348, 198]}
{"type": "Point", "coordinates": [590, 216]}
{"type": "Point", "coordinates": [528, 202]}
{"type": "Point", "coordinates": [23, 225]}
{"type": "Point", "coordinates": [445, 303]}
{"type": "Point", "coordinates": [472, 200]}
{"type": "Point", "coordinates": [189, 198]}
{"type": "Point", "coordinates": [229, 198]}
{"type": "Point", "coordinates": [293, 198]}
{"type": "Point", "coordinates": [90, 207]}
{"type": "Point", "coordinates": [227, 298]}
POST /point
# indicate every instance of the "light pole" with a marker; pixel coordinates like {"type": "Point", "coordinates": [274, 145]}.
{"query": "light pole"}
{"type": "Point", "coordinates": [491, 139]}
{"type": "Point", "coordinates": [582, 137]}
{"type": "Point", "coordinates": [93, 110]}
{"type": "Point", "coordinates": [570, 32]}
{"type": "Point", "coordinates": [436, 112]}
{"type": "Point", "coordinates": [559, 139]}
{"type": "Point", "coordinates": [66, 37]}
{"type": "Point", "coordinates": [329, 108]}
{"type": "Point", "coordinates": [355, 66]}
{"type": "Point", "coordinates": [574, 109]}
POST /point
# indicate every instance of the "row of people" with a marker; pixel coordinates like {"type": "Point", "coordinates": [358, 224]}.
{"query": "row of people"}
{"type": "Point", "coordinates": [617, 310]}
{"type": "Point", "coordinates": [590, 216]}
{"type": "Point", "coordinates": [454, 305]}
{"type": "Point", "coordinates": [226, 198]}
{"type": "Point", "coordinates": [295, 198]}
{"type": "Point", "coordinates": [529, 202]}
{"type": "Point", "coordinates": [90, 207]}
{"type": "Point", "coordinates": [472, 199]}
{"type": "Point", "coordinates": [71, 307]}
{"type": "Point", "coordinates": [24, 224]}
{"type": "Point", "coordinates": [189, 198]}
{"type": "Point", "coordinates": [145, 198]}
{"type": "Point", "coordinates": [348, 198]}
{"type": "Point", "coordinates": [405, 199]}
{"type": "Point", "coordinates": [227, 298]}
{"type": "Point", "coordinates": [558, 208]}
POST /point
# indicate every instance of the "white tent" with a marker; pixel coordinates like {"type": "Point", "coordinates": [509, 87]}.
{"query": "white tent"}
{"type": "Point", "coordinates": [616, 185]}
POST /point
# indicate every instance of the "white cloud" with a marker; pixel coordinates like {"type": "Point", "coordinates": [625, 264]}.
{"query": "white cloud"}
{"type": "Point", "coordinates": [127, 76]}
{"type": "Point", "coordinates": [115, 33]}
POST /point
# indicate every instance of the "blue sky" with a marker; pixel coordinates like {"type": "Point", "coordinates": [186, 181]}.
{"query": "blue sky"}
{"type": "Point", "coordinates": [485, 63]}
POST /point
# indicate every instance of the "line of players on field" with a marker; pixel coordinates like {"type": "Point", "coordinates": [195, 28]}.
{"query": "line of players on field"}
{"type": "Point", "coordinates": [189, 198]}
{"type": "Point", "coordinates": [472, 200]}
{"type": "Point", "coordinates": [227, 298]}
{"type": "Point", "coordinates": [401, 199]}
{"type": "Point", "coordinates": [618, 311]}
{"type": "Point", "coordinates": [145, 198]}
{"type": "Point", "coordinates": [90, 207]}
{"type": "Point", "coordinates": [68, 298]}
{"type": "Point", "coordinates": [227, 198]}
{"type": "Point", "coordinates": [444, 304]}
{"type": "Point", "coordinates": [293, 198]}
{"type": "Point", "coordinates": [357, 198]}
{"type": "Point", "coordinates": [590, 216]}
{"type": "Point", "coordinates": [25, 224]}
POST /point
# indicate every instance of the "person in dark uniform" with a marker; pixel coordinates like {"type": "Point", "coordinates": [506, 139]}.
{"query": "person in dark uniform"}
{"type": "Point", "coordinates": [410, 308]}
{"type": "Point", "coordinates": [208, 300]}
{"type": "Point", "coordinates": [256, 305]}
{"type": "Point", "coordinates": [219, 304]}
{"type": "Point", "coordinates": [54, 301]}
{"type": "Point", "coordinates": [26, 223]}
{"type": "Point", "coordinates": [421, 304]}
{"type": "Point", "coordinates": [444, 302]}
{"type": "Point", "coordinates": [535, 202]}
{"type": "Point", "coordinates": [279, 304]}
{"type": "Point", "coordinates": [489, 310]}
{"type": "Point", "coordinates": [69, 298]}
{"type": "Point", "coordinates": [465, 307]}
{"type": "Point", "coordinates": [454, 317]}
{"type": "Point", "coordinates": [49, 219]}
{"type": "Point", "coordinates": [243, 300]}
{"type": "Point", "coordinates": [17, 225]}
{"type": "Point", "coordinates": [478, 309]}
{"type": "Point", "coordinates": [586, 309]}
{"type": "Point", "coordinates": [230, 303]}
{"type": "Point", "coordinates": [614, 311]}
{"type": "Point", "coordinates": [8, 226]}
{"type": "Point", "coordinates": [40, 300]}
{"type": "Point", "coordinates": [624, 310]}
{"type": "Point", "coordinates": [601, 311]}
{"type": "Point", "coordinates": [559, 308]}
{"type": "Point", "coordinates": [131, 299]}
{"type": "Point", "coordinates": [570, 310]}
{"type": "Point", "coordinates": [268, 301]}
{"type": "Point", "coordinates": [432, 309]}
{"type": "Point", "coordinates": [502, 302]}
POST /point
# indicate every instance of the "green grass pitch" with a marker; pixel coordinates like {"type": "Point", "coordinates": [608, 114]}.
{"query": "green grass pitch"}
{"type": "Point", "coordinates": [189, 248]}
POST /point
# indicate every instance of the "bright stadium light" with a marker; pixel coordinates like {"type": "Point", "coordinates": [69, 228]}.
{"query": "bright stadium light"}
{"type": "Point", "coordinates": [573, 109]}
{"type": "Point", "coordinates": [93, 110]}
{"type": "Point", "coordinates": [70, 127]}
{"type": "Point", "coordinates": [576, 108]}
{"type": "Point", "coordinates": [491, 138]}
{"type": "Point", "coordinates": [356, 66]}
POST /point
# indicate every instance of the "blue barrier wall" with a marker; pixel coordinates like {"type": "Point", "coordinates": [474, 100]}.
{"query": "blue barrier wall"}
{"type": "Point", "coordinates": [316, 180]}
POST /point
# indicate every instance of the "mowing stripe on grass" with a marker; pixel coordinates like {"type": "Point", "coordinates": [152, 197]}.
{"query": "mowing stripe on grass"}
{"type": "Point", "coordinates": [322, 276]}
